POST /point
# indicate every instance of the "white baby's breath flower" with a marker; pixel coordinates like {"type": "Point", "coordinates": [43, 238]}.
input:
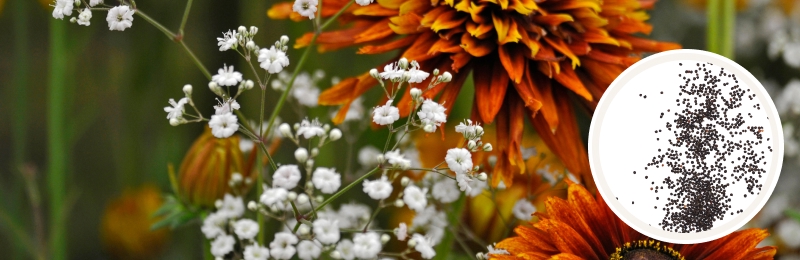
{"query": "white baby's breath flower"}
{"type": "Point", "coordinates": [523, 209]}
{"type": "Point", "coordinates": [378, 189]}
{"type": "Point", "coordinates": [120, 18]}
{"type": "Point", "coordinates": [307, 8]}
{"type": "Point", "coordinates": [459, 160]}
{"type": "Point", "coordinates": [273, 60]}
{"type": "Point", "coordinates": [223, 126]}
{"type": "Point", "coordinates": [432, 114]}
{"type": "Point", "coordinates": [470, 130]}
{"type": "Point", "coordinates": [226, 107]}
{"type": "Point", "coordinates": [282, 247]}
{"type": "Point", "coordinates": [228, 40]}
{"type": "Point", "coordinates": [345, 249]}
{"type": "Point", "coordinates": [353, 215]}
{"type": "Point", "coordinates": [363, 2]}
{"type": "Point", "coordinates": [232, 206]}
{"type": "Point", "coordinates": [445, 190]}
{"type": "Point", "coordinates": [326, 231]}
{"type": "Point", "coordinates": [392, 72]}
{"type": "Point", "coordinates": [386, 114]}
{"type": "Point", "coordinates": [226, 76]}
{"type": "Point", "coordinates": [308, 250]}
{"type": "Point", "coordinates": [256, 252]}
{"type": "Point", "coordinates": [309, 129]}
{"type": "Point", "coordinates": [355, 111]}
{"type": "Point", "coordinates": [366, 245]}
{"type": "Point", "coordinates": [246, 228]}
{"type": "Point", "coordinates": [222, 245]}
{"type": "Point", "coordinates": [274, 197]}
{"type": "Point", "coordinates": [84, 17]}
{"type": "Point", "coordinates": [92, 3]}
{"type": "Point", "coordinates": [415, 197]}
{"type": "Point", "coordinates": [326, 180]}
{"type": "Point", "coordinates": [496, 251]}
{"type": "Point", "coordinates": [286, 176]}
{"type": "Point", "coordinates": [401, 232]}
{"type": "Point", "coordinates": [62, 8]}
{"type": "Point", "coordinates": [415, 74]}
{"type": "Point", "coordinates": [463, 182]}
{"type": "Point", "coordinates": [214, 225]}
{"type": "Point", "coordinates": [305, 90]}
{"type": "Point", "coordinates": [396, 159]}
{"type": "Point", "coordinates": [476, 187]}
{"type": "Point", "coordinates": [423, 246]}
{"type": "Point", "coordinates": [368, 156]}
{"type": "Point", "coordinates": [175, 110]}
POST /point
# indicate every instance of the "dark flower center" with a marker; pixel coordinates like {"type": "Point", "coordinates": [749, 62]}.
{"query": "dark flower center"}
{"type": "Point", "coordinates": [645, 250]}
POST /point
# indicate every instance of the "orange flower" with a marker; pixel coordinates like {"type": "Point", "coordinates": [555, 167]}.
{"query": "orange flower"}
{"type": "Point", "coordinates": [526, 56]}
{"type": "Point", "coordinates": [125, 228]}
{"type": "Point", "coordinates": [583, 227]}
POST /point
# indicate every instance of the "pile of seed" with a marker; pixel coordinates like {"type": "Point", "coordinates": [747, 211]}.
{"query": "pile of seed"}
{"type": "Point", "coordinates": [700, 152]}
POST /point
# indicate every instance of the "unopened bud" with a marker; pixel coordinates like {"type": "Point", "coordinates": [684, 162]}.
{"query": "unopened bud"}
{"type": "Point", "coordinates": [249, 84]}
{"type": "Point", "coordinates": [174, 122]}
{"type": "Point", "coordinates": [284, 39]}
{"type": "Point", "coordinates": [251, 45]}
{"type": "Point", "coordinates": [415, 93]}
{"type": "Point", "coordinates": [385, 238]}
{"type": "Point", "coordinates": [303, 230]}
{"type": "Point", "coordinates": [335, 134]}
{"type": "Point", "coordinates": [291, 195]}
{"type": "Point", "coordinates": [404, 181]}
{"type": "Point", "coordinates": [479, 130]}
{"type": "Point", "coordinates": [302, 199]}
{"type": "Point", "coordinates": [380, 158]}
{"type": "Point", "coordinates": [412, 242]}
{"type": "Point", "coordinates": [252, 205]}
{"type": "Point", "coordinates": [482, 176]}
{"type": "Point", "coordinates": [336, 255]}
{"type": "Point", "coordinates": [429, 128]}
{"type": "Point", "coordinates": [374, 73]}
{"type": "Point", "coordinates": [446, 77]}
{"type": "Point", "coordinates": [399, 203]}
{"type": "Point", "coordinates": [242, 30]}
{"type": "Point", "coordinates": [77, 3]}
{"type": "Point", "coordinates": [471, 145]}
{"type": "Point", "coordinates": [435, 72]}
{"type": "Point", "coordinates": [286, 131]}
{"type": "Point", "coordinates": [403, 63]}
{"type": "Point", "coordinates": [253, 30]}
{"type": "Point", "coordinates": [319, 198]}
{"type": "Point", "coordinates": [218, 204]}
{"type": "Point", "coordinates": [310, 163]}
{"type": "Point", "coordinates": [487, 147]}
{"type": "Point", "coordinates": [187, 89]}
{"type": "Point", "coordinates": [215, 88]}
{"type": "Point", "coordinates": [73, 20]}
{"type": "Point", "coordinates": [326, 127]}
{"type": "Point", "coordinates": [314, 152]}
{"type": "Point", "coordinates": [301, 154]}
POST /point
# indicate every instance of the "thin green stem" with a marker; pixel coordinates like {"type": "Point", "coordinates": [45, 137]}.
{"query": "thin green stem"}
{"type": "Point", "coordinates": [160, 27]}
{"type": "Point", "coordinates": [185, 17]}
{"type": "Point", "coordinates": [19, 124]}
{"type": "Point", "coordinates": [196, 61]}
{"type": "Point", "coordinates": [57, 143]}
{"type": "Point", "coordinates": [333, 18]}
{"type": "Point", "coordinates": [172, 36]}
{"type": "Point", "coordinates": [374, 214]}
{"type": "Point", "coordinates": [712, 30]}
{"type": "Point", "coordinates": [728, 29]}
{"type": "Point", "coordinates": [288, 89]}
{"type": "Point", "coordinates": [347, 188]}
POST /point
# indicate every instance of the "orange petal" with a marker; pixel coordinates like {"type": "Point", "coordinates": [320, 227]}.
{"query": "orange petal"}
{"type": "Point", "coordinates": [535, 238]}
{"type": "Point", "coordinates": [406, 24]}
{"type": "Point", "coordinates": [553, 19]}
{"type": "Point", "coordinates": [566, 239]}
{"type": "Point", "coordinates": [447, 20]}
{"type": "Point", "coordinates": [477, 30]}
{"type": "Point", "coordinates": [476, 47]}
{"type": "Point", "coordinates": [491, 83]}
{"type": "Point", "coordinates": [569, 79]}
{"type": "Point", "coordinates": [280, 11]}
{"type": "Point", "coordinates": [375, 10]}
{"type": "Point", "coordinates": [377, 31]}
{"type": "Point", "coordinates": [562, 47]}
{"type": "Point", "coordinates": [524, 7]}
{"type": "Point", "coordinates": [339, 93]}
{"type": "Point", "coordinates": [415, 6]}
{"type": "Point", "coordinates": [430, 16]}
{"type": "Point", "coordinates": [446, 46]}
{"type": "Point", "coordinates": [510, 124]}
{"type": "Point", "coordinates": [419, 49]}
{"type": "Point", "coordinates": [573, 4]}
{"type": "Point", "coordinates": [542, 90]}
{"type": "Point", "coordinates": [640, 44]}
{"type": "Point", "coordinates": [513, 61]}
{"type": "Point", "coordinates": [451, 90]}
{"type": "Point", "coordinates": [391, 4]}
{"type": "Point", "coordinates": [566, 256]}
{"type": "Point", "coordinates": [397, 44]}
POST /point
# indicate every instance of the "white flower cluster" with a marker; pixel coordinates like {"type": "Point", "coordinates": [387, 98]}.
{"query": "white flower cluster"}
{"type": "Point", "coordinates": [226, 227]}
{"type": "Point", "coordinates": [119, 17]}
{"type": "Point", "coordinates": [304, 87]}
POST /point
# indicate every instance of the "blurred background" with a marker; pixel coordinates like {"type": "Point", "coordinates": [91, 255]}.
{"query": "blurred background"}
{"type": "Point", "coordinates": [101, 94]}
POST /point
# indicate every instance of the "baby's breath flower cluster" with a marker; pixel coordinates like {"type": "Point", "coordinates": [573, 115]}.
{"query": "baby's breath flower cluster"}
{"type": "Point", "coordinates": [119, 17]}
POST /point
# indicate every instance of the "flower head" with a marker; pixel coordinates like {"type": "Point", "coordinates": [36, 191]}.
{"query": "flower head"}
{"type": "Point", "coordinates": [256, 252]}
{"type": "Point", "coordinates": [223, 126]}
{"type": "Point", "coordinates": [226, 107]}
{"type": "Point", "coordinates": [366, 245]}
{"type": "Point", "coordinates": [432, 114]}
{"type": "Point", "coordinates": [397, 159]}
{"type": "Point", "coordinates": [119, 18]}
{"type": "Point", "coordinates": [246, 228]}
{"type": "Point", "coordinates": [308, 250]}
{"type": "Point", "coordinates": [175, 110]}
{"type": "Point", "coordinates": [309, 129]}
{"type": "Point", "coordinates": [326, 180]}
{"type": "Point", "coordinates": [401, 232]}
{"type": "Point", "coordinates": [345, 249]}
{"type": "Point", "coordinates": [386, 114]}
{"type": "Point", "coordinates": [415, 197]}
{"type": "Point", "coordinates": [459, 160]}
{"type": "Point", "coordinates": [232, 207]}
{"type": "Point", "coordinates": [62, 8]}
{"type": "Point", "coordinates": [378, 189]}
{"type": "Point", "coordinates": [226, 76]}
{"type": "Point", "coordinates": [424, 246]}
{"type": "Point", "coordinates": [470, 130]}
{"type": "Point", "coordinates": [307, 8]}
{"type": "Point", "coordinates": [273, 60]}
{"type": "Point", "coordinates": [92, 3]}
{"type": "Point", "coordinates": [593, 231]}
{"type": "Point", "coordinates": [282, 247]}
{"type": "Point", "coordinates": [445, 190]}
{"type": "Point", "coordinates": [229, 40]}
{"type": "Point", "coordinates": [363, 2]}
{"type": "Point", "coordinates": [286, 176]}
{"type": "Point", "coordinates": [274, 197]}
{"type": "Point", "coordinates": [222, 245]}
{"type": "Point", "coordinates": [214, 225]}
{"type": "Point", "coordinates": [84, 17]}
{"type": "Point", "coordinates": [326, 231]}
{"type": "Point", "coordinates": [416, 75]}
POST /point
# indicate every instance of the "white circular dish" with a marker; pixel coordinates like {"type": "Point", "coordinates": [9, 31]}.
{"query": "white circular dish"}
{"type": "Point", "coordinates": [628, 130]}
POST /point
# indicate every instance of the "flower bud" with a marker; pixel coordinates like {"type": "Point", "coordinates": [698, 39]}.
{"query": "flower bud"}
{"type": "Point", "coordinates": [314, 152]}
{"type": "Point", "coordinates": [385, 238]}
{"type": "Point", "coordinates": [335, 134]}
{"type": "Point", "coordinates": [77, 3]}
{"type": "Point", "coordinates": [399, 203]}
{"type": "Point", "coordinates": [415, 93]}
{"type": "Point", "coordinates": [403, 63]}
{"type": "Point", "coordinates": [487, 147]}
{"type": "Point", "coordinates": [482, 176]}
{"type": "Point", "coordinates": [446, 77]}
{"type": "Point", "coordinates": [291, 195]}
{"type": "Point", "coordinates": [218, 204]}
{"type": "Point", "coordinates": [302, 199]}
{"type": "Point", "coordinates": [336, 255]}
{"type": "Point", "coordinates": [208, 167]}
{"type": "Point", "coordinates": [301, 154]}
{"type": "Point", "coordinates": [285, 130]}
{"type": "Point", "coordinates": [215, 88]}
{"type": "Point", "coordinates": [252, 205]}
{"type": "Point", "coordinates": [479, 256]}
{"type": "Point", "coordinates": [174, 122]}
{"type": "Point", "coordinates": [319, 199]}
{"type": "Point", "coordinates": [471, 145]}
{"type": "Point", "coordinates": [187, 89]}
{"type": "Point", "coordinates": [249, 84]}
{"type": "Point", "coordinates": [236, 178]}
{"type": "Point", "coordinates": [303, 230]}
{"type": "Point", "coordinates": [435, 72]}
{"type": "Point", "coordinates": [380, 159]}
{"type": "Point", "coordinates": [429, 128]}
{"type": "Point", "coordinates": [404, 181]}
{"type": "Point", "coordinates": [309, 185]}
{"type": "Point", "coordinates": [73, 20]}
{"type": "Point", "coordinates": [242, 30]}
{"type": "Point", "coordinates": [310, 163]}
{"type": "Point", "coordinates": [250, 45]}
{"type": "Point", "coordinates": [479, 130]}
{"type": "Point", "coordinates": [253, 30]}
{"type": "Point", "coordinates": [326, 127]}
{"type": "Point", "coordinates": [284, 39]}
{"type": "Point", "coordinates": [412, 242]}
{"type": "Point", "coordinates": [374, 73]}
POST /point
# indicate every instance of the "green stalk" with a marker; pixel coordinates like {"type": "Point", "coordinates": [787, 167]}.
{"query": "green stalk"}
{"type": "Point", "coordinates": [721, 19]}
{"type": "Point", "coordinates": [19, 123]}
{"type": "Point", "coordinates": [57, 149]}
{"type": "Point", "coordinates": [185, 17]}
{"type": "Point", "coordinates": [712, 31]}
{"type": "Point", "coordinates": [728, 28]}
{"type": "Point", "coordinates": [172, 36]}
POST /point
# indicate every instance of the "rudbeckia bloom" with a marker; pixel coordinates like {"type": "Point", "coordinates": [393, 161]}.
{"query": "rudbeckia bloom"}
{"type": "Point", "coordinates": [583, 227]}
{"type": "Point", "coordinates": [527, 58]}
